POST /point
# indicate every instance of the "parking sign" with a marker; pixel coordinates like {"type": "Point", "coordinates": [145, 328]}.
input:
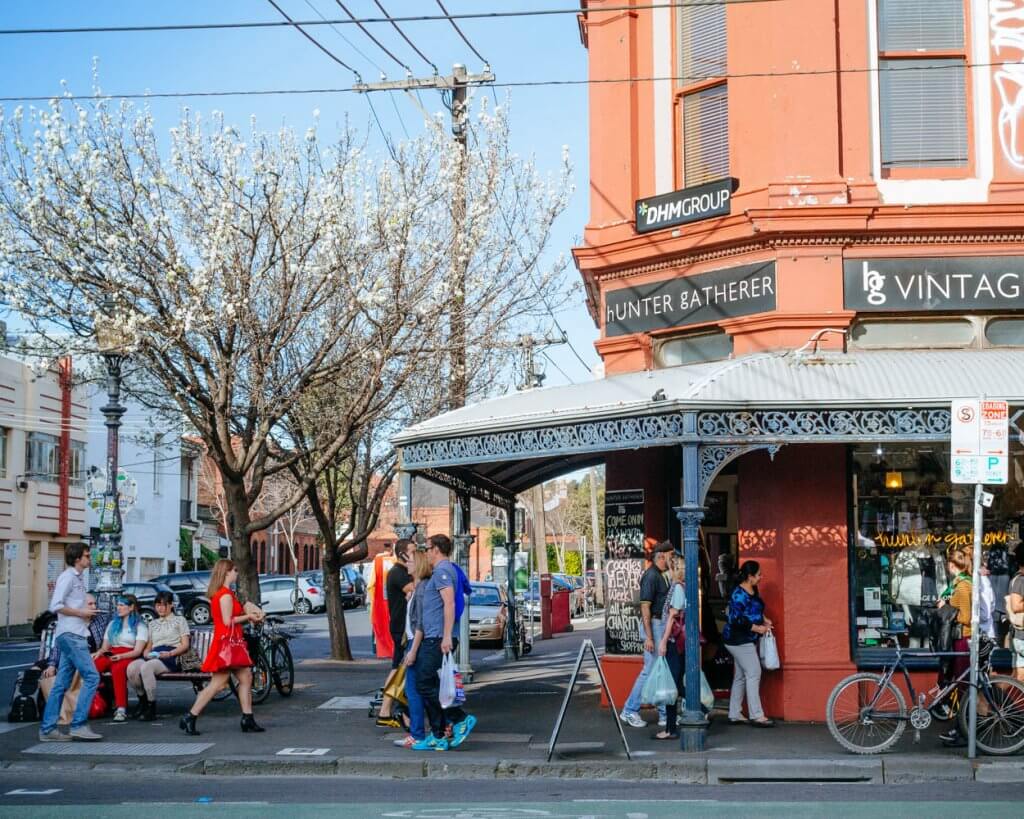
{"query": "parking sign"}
{"type": "Point", "coordinates": [979, 441]}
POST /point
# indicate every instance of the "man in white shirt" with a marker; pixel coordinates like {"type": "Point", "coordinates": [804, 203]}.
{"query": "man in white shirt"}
{"type": "Point", "coordinates": [72, 639]}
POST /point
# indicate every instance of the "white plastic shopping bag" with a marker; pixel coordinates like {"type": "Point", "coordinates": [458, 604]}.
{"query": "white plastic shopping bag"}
{"type": "Point", "coordinates": [707, 696]}
{"type": "Point", "coordinates": [770, 652]}
{"type": "Point", "coordinates": [660, 687]}
{"type": "Point", "coordinates": [447, 676]}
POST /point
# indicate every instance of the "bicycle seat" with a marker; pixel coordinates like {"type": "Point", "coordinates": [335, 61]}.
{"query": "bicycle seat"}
{"type": "Point", "coordinates": [891, 632]}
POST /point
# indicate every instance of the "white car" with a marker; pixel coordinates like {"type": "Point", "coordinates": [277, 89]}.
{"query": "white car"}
{"type": "Point", "coordinates": [277, 596]}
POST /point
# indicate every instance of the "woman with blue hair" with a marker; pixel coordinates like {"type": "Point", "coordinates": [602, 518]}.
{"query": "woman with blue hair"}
{"type": "Point", "coordinates": [123, 641]}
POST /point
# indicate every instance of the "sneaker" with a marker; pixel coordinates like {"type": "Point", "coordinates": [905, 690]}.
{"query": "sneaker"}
{"type": "Point", "coordinates": [408, 742]}
{"type": "Point", "coordinates": [120, 715]}
{"type": "Point", "coordinates": [431, 743]}
{"type": "Point", "coordinates": [84, 733]}
{"type": "Point", "coordinates": [633, 719]}
{"type": "Point", "coordinates": [54, 735]}
{"type": "Point", "coordinates": [662, 722]}
{"type": "Point", "coordinates": [389, 722]}
{"type": "Point", "coordinates": [462, 730]}
{"type": "Point", "coordinates": [952, 739]}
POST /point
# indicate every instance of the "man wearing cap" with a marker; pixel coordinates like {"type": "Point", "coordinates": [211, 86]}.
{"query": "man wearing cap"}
{"type": "Point", "coordinates": [653, 592]}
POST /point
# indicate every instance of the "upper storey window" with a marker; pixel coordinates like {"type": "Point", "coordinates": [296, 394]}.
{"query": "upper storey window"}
{"type": "Point", "coordinates": [922, 84]}
{"type": "Point", "coordinates": [703, 93]}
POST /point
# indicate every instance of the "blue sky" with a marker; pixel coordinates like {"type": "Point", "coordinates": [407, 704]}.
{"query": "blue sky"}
{"type": "Point", "coordinates": [518, 49]}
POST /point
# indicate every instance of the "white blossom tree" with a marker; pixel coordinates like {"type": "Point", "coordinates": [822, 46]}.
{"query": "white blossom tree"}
{"type": "Point", "coordinates": [245, 271]}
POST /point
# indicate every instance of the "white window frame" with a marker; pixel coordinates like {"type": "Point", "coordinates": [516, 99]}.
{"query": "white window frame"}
{"type": "Point", "coordinates": [941, 191]}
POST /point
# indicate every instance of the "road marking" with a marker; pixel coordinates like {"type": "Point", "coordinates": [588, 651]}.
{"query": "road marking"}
{"type": "Point", "coordinates": [346, 704]}
{"type": "Point", "coordinates": [13, 726]}
{"type": "Point", "coordinates": [26, 792]}
{"type": "Point", "coordinates": [9, 667]}
{"type": "Point", "coordinates": [302, 751]}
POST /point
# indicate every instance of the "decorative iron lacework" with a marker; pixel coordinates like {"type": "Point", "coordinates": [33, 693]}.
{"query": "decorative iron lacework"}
{"type": "Point", "coordinates": [739, 427]}
{"type": "Point", "coordinates": [716, 456]}
{"type": "Point", "coordinates": [817, 425]}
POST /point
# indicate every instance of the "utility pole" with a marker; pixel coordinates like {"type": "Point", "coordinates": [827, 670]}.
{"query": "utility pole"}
{"type": "Point", "coordinates": [598, 546]}
{"type": "Point", "coordinates": [532, 377]}
{"type": "Point", "coordinates": [457, 85]}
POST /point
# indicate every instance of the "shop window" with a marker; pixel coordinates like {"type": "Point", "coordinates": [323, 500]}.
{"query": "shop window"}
{"type": "Point", "coordinates": [693, 349]}
{"type": "Point", "coordinates": [1005, 332]}
{"type": "Point", "coordinates": [704, 93]}
{"type": "Point", "coordinates": [902, 334]}
{"type": "Point", "coordinates": [906, 516]}
{"type": "Point", "coordinates": [922, 84]}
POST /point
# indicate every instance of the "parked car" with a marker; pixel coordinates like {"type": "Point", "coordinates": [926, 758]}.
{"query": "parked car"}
{"type": "Point", "coordinates": [578, 595]}
{"type": "Point", "coordinates": [353, 587]}
{"type": "Point", "coordinates": [146, 595]}
{"type": "Point", "coordinates": [191, 590]}
{"type": "Point", "coordinates": [531, 597]}
{"type": "Point", "coordinates": [488, 613]}
{"type": "Point", "coordinates": [278, 595]}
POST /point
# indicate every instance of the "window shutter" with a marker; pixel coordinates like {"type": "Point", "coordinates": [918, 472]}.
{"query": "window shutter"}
{"type": "Point", "coordinates": [908, 25]}
{"type": "Point", "coordinates": [702, 44]}
{"type": "Point", "coordinates": [924, 111]}
{"type": "Point", "coordinates": [706, 135]}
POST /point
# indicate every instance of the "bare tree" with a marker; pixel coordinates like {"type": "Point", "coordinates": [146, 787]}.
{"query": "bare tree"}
{"type": "Point", "coordinates": [244, 271]}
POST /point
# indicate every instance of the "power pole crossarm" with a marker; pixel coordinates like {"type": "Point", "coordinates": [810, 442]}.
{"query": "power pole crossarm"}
{"type": "Point", "coordinates": [437, 81]}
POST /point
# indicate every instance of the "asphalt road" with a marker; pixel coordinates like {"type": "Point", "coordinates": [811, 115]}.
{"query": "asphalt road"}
{"type": "Point", "coordinates": [92, 794]}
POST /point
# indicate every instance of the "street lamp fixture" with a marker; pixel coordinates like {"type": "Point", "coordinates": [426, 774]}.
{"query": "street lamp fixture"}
{"type": "Point", "coordinates": [112, 344]}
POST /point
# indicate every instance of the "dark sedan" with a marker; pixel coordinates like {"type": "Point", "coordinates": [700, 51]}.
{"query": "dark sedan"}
{"type": "Point", "coordinates": [146, 595]}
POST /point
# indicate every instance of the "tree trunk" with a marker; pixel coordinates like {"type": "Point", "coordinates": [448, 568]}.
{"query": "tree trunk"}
{"type": "Point", "coordinates": [336, 626]}
{"type": "Point", "coordinates": [241, 553]}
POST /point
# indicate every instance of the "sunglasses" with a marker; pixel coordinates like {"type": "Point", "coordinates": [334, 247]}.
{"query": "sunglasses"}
{"type": "Point", "coordinates": [122, 602]}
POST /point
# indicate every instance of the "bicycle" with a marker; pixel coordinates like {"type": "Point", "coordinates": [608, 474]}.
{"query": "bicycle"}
{"type": "Point", "coordinates": [867, 713]}
{"type": "Point", "coordinates": [272, 662]}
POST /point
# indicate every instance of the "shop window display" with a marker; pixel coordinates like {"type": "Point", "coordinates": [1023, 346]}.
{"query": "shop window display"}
{"type": "Point", "coordinates": [906, 515]}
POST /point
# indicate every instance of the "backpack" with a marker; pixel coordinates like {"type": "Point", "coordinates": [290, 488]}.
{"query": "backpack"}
{"type": "Point", "coordinates": [462, 590]}
{"type": "Point", "coordinates": [24, 702]}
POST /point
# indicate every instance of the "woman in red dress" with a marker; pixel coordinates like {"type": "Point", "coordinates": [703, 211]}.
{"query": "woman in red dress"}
{"type": "Point", "coordinates": [228, 617]}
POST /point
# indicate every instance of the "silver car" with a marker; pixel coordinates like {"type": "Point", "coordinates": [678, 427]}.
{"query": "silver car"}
{"type": "Point", "coordinates": [488, 613]}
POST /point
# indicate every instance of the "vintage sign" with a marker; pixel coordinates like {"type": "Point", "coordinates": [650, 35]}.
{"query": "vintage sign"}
{"type": "Point", "coordinates": [965, 283]}
{"type": "Point", "coordinates": [624, 524]}
{"type": "Point", "coordinates": [688, 205]}
{"type": "Point", "coordinates": [623, 631]}
{"type": "Point", "coordinates": [685, 300]}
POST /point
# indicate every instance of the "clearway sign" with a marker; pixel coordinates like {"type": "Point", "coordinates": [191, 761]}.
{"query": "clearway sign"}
{"type": "Point", "coordinates": [979, 441]}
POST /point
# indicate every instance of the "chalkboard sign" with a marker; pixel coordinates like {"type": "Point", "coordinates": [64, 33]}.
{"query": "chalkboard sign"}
{"type": "Point", "coordinates": [622, 627]}
{"type": "Point", "coordinates": [624, 524]}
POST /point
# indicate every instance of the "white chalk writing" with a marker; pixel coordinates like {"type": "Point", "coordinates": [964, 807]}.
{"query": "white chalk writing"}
{"type": "Point", "coordinates": [1006, 21]}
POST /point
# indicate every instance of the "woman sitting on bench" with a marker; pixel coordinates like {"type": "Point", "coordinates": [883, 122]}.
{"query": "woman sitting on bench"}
{"type": "Point", "coordinates": [168, 640]}
{"type": "Point", "coordinates": [123, 641]}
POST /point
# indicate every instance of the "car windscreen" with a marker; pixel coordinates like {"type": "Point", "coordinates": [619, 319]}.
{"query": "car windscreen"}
{"type": "Point", "coordinates": [484, 596]}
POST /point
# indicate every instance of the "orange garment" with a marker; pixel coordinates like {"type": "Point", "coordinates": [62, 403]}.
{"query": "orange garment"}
{"type": "Point", "coordinates": [380, 617]}
{"type": "Point", "coordinates": [961, 601]}
{"type": "Point", "coordinates": [221, 629]}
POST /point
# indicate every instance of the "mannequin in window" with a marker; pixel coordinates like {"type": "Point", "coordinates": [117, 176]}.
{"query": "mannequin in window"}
{"type": "Point", "coordinates": [918, 574]}
{"type": "Point", "coordinates": [997, 561]}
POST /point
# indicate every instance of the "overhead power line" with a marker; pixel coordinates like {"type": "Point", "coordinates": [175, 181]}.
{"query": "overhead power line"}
{"type": "Point", "coordinates": [362, 89]}
{"type": "Point", "coordinates": [455, 25]}
{"type": "Point", "coordinates": [367, 32]}
{"type": "Point", "coordinates": [415, 18]}
{"type": "Point", "coordinates": [412, 45]}
{"type": "Point", "coordinates": [313, 40]}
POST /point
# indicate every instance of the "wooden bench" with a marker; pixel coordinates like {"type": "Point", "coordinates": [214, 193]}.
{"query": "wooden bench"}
{"type": "Point", "coordinates": [199, 639]}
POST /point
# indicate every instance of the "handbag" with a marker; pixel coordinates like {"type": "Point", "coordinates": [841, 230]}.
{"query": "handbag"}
{"type": "Point", "coordinates": [1016, 618]}
{"type": "Point", "coordinates": [233, 652]}
{"type": "Point", "coordinates": [396, 687]}
{"type": "Point", "coordinates": [769, 651]}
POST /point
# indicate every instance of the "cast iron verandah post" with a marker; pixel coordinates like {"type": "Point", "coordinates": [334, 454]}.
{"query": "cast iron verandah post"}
{"type": "Point", "coordinates": [693, 728]}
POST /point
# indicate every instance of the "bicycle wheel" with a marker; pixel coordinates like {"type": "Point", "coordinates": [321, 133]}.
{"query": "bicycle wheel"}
{"type": "Point", "coordinates": [283, 667]}
{"type": "Point", "coordinates": [1000, 716]}
{"type": "Point", "coordinates": [865, 717]}
{"type": "Point", "coordinates": [262, 680]}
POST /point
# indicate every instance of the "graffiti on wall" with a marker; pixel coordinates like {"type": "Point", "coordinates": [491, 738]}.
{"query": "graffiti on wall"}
{"type": "Point", "coordinates": [1006, 22]}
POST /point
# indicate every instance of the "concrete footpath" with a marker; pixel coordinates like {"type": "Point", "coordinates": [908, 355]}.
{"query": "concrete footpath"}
{"type": "Point", "coordinates": [323, 730]}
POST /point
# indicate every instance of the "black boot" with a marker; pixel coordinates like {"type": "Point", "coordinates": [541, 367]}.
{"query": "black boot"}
{"type": "Point", "coordinates": [140, 707]}
{"type": "Point", "coordinates": [249, 724]}
{"type": "Point", "coordinates": [188, 724]}
{"type": "Point", "coordinates": [150, 713]}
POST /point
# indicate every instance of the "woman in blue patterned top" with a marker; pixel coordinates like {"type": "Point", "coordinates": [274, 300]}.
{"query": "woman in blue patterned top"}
{"type": "Point", "coordinates": [746, 623]}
